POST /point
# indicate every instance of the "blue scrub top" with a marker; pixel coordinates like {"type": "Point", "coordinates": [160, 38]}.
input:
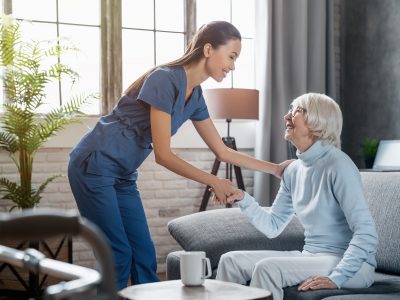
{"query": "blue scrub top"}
{"type": "Point", "coordinates": [121, 141]}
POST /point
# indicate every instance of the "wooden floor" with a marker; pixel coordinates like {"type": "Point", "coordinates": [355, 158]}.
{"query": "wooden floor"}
{"type": "Point", "coordinates": [162, 276]}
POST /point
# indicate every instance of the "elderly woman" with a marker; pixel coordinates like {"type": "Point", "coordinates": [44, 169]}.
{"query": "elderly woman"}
{"type": "Point", "coordinates": [323, 189]}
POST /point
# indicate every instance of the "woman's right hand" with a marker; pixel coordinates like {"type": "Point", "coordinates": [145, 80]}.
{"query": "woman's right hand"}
{"type": "Point", "coordinates": [222, 189]}
{"type": "Point", "coordinates": [281, 167]}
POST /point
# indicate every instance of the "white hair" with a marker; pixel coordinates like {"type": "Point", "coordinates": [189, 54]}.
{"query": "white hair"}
{"type": "Point", "coordinates": [323, 117]}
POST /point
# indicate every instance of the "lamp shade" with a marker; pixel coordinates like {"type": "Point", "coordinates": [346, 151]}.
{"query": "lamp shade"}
{"type": "Point", "coordinates": [232, 103]}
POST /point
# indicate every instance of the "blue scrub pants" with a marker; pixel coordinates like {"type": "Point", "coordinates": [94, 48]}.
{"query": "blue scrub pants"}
{"type": "Point", "coordinates": [114, 205]}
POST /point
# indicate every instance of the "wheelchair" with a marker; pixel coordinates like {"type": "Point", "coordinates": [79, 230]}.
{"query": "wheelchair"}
{"type": "Point", "coordinates": [78, 282]}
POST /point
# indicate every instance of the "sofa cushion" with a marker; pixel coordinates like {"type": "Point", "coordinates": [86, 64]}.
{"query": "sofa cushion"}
{"type": "Point", "coordinates": [173, 265]}
{"type": "Point", "coordinates": [386, 214]}
{"type": "Point", "coordinates": [385, 287]}
{"type": "Point", "coordinates": [216, 233]}
{"type": "Point", "coordinates": [385, 284]}
{"type": "Point", "coordinates": [365, 297]}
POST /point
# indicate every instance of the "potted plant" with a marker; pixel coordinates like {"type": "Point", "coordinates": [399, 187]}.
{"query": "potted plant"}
{"type": "Point", "coordinates": [368, 149]}
{"type": "Point", "coordinates": [23, 129]}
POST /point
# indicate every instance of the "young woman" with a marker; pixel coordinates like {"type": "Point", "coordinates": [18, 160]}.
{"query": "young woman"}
{"type": "Point", "coordinates": [323, 188]}
{"type": "Point", "coordinates": [102, 168]}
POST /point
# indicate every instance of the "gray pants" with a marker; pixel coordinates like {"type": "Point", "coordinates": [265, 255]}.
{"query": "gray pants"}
{"type": "Point", "coordinates": [275, 270]}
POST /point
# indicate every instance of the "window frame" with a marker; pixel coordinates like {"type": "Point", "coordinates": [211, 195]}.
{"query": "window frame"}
{"type": "Point", "coordinates": [111, 46]}
{"type": "Point", "coordinates": [7, 9]}
{"type": "Point", "coordinates": [186, 137]}
{"type": "Point", "coordinates": [111, 50]}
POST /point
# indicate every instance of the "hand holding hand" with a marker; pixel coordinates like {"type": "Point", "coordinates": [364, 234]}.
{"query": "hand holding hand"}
{"type": "Point", "coordinates": [222, 188]}
{"type": "Point", "coordinates": [281, 167]}
{"type": "Point", "coordinates": [236, 196]}
{"type": "Point", "coordinates": [317, 283]}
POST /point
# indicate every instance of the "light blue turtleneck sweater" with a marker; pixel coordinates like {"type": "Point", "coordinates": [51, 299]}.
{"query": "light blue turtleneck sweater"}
{"type": "Point", "coordinates": [323, 189]}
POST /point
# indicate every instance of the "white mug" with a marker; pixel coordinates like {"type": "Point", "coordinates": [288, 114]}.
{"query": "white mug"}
{"type": "Point", "coordinates": [195, 267]}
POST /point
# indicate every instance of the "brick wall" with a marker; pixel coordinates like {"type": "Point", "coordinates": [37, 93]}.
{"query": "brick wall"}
{"type": "Point", "coordinates": [165, 195]}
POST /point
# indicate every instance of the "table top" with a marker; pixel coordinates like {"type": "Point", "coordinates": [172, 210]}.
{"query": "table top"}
{"type": "Point", "coordinates": [211, 290]}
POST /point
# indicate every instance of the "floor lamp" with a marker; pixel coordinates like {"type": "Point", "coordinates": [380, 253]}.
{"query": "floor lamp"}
{"type": "Point", "coordinates": [228, 104]}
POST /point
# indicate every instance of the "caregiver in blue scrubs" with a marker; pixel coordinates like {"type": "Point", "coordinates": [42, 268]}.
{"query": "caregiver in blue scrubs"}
{"type": "Point", "coordinates": [103, 166]}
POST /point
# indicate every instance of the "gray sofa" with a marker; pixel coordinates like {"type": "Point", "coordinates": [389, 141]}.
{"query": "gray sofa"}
{"type": "Point", "coordinates": [219, 231]}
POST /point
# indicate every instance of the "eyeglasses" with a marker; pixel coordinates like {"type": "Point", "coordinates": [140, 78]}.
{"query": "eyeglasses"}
{"type": "Point", "coordinates": [294, 110]}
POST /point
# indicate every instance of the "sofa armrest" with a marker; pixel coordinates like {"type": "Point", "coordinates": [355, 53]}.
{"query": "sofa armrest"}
{"type": "Point", "coordinates": [219, 231]}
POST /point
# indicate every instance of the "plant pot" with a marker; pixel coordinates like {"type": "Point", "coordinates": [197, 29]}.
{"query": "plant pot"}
{"type": "Point", "coordinates": [369, 162]}
{"type": "Point", "coordinates": [20, 282]}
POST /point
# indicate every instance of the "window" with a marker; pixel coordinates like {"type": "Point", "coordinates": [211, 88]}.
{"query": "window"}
{"type": "Point", "coordinates": [153, 32]}
{"type": "Point", "coordinates": [67, 19]}
{"type": "Point", "coordinates": [240, 13]}
{"type": "Point", "coordinates": [1, 72]}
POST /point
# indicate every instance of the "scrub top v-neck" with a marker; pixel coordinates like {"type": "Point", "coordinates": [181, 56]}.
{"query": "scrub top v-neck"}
{"type": "Point", "coordinates": [121, 141]}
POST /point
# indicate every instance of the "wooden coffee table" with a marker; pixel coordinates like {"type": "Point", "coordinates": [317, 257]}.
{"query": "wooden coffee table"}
{"type": "Point", "coordinates": [175, 290]}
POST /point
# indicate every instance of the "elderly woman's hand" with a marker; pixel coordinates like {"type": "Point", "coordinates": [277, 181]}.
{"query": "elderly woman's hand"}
{"type": "Point", "coordinates": [222, 189]}
{"type": "Point", "coordinates": [237, 195]}
{"type": "Point", "coordinates": [317, 283]}
{"type": "Point", "coordinates": [281, 167]}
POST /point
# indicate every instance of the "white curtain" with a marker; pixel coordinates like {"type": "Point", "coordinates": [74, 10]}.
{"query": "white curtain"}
{"type": "Point", "coordinates": [294, 55]}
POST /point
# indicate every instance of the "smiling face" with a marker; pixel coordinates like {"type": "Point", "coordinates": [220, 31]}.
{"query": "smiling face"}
{"type": "Point", "coordinates": [313, 117]}
{"type": "Point", "coordinates": [220, 61]}
{"type": "Point", "coordinates": [297, 131]}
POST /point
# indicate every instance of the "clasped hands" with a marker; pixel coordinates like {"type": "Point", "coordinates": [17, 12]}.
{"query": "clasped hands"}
{"type": "Point", "coordinates": [225, 192]}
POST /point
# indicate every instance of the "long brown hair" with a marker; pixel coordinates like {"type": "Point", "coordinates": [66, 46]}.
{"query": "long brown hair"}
{"type": "Point", "coordinates": [216, 33]}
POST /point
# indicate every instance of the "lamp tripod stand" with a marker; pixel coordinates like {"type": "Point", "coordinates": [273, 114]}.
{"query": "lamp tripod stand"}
{"type": "Point", "coordinates": [230, 142]}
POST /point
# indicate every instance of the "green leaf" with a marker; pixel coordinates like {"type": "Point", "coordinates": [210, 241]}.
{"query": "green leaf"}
{"type": "Point", "coordinates": [60, 46]}
{"type": "Point", "coordinates": [8, 142]}
{"type": "Point", "coordinates": [61, 116]}
{"type": "Point", "coordinates": [57, 70]}
{"type": "Point", "coordinates": [13, 192]}
{"type": "Point", "coordinates": [369, 147]}
{"type": "Point", "coordinates": [10, 38]}
{"type": "Point", "coordinates": [23, 128]}
{"type": "Point", "coordinates": [36, 196]}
